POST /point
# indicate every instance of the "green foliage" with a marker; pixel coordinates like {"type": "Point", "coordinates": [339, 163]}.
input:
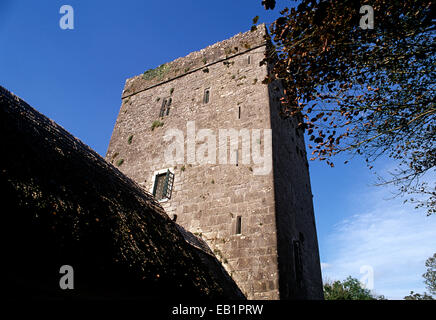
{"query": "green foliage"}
{"type": "Point", "coordinates": [362, 92]}
{"type": "Point", "coordinates": [129, 140]}
{"type": "Point", "coordinates": [204, 60]}
{"type": "Point", "coordinates": [430, 275]}
{"type": "Point", "coordinates": [349, 289]}
{"type": "Point", "coordinates": [183, 168]}
{"type": "Point", "coordinates": [206, 70]}
{"type": "Point", "coordinates": [430, 281]}
{"type": "Point", "coordinates": [120, 162]}
{"type": "Point", "coordinates": [156, 124]}
{"type": "Point", "coordinates": [171, 91]}
{"type": "Point", "coordinates": [418, 296]}
{"type": "Point", "coordinates": [157, 73]}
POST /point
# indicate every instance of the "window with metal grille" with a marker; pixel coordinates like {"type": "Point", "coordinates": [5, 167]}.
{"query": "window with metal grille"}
{"type": "Point", "coordinates": [165, 108]}
{"type": "Point", "coordinates": [163, 185]}
{"type": "Point", "coordinates": [206, 96]}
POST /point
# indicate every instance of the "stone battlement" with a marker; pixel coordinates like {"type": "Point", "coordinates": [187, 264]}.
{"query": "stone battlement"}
{"type": "Point", "coordinates": [202, 59]}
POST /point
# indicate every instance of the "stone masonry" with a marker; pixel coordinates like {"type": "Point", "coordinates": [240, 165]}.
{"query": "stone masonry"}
{"type": "Point", "coordinates": [261, 226]}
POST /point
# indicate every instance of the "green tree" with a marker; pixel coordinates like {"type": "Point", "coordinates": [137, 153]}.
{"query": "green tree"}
{"type": "Point", "coordinates": [349, 289]}
{"type": "Point", "coordinates": [430, 274]}
{"type": "Point", "coordinates": [430, 281]}
{"type": "Point", "coordinates": [369, 92]}
{"type": "Point", "coordinates": [418, 296]}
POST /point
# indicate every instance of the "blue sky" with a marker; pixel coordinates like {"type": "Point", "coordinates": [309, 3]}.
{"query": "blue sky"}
{"type": "Point", "coordinates": [76, 77]}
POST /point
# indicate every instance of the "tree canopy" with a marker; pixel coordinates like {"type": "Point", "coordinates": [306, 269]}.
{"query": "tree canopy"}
{"type": "Point", "coordinates": [430, 281]}
{"type": "Point", "coordinates": [370, 92]}
{"type": "Point", "coordinates": [349, 289]}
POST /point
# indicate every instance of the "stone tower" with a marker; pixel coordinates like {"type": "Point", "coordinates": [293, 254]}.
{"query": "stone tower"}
{"type": "Point", "coordinates": [177, 135]}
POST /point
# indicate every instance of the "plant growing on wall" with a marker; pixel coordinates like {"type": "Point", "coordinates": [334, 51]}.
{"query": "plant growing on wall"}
{"type": "Point", "coordinates": [156, 124]}
{"type": "Point", "coordinates": [157, 73]}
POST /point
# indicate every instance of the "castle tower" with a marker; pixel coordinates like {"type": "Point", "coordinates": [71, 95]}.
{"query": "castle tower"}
{"type": "Point", "coordinates": [251, 202]}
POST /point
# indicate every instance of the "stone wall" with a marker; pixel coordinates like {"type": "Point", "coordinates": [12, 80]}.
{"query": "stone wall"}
{"type": "Point", "coordinates": [207, 199]}
{"type": "Point", "coordinates": [294, 207]}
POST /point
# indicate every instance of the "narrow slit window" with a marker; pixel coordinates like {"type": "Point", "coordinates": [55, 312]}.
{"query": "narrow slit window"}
{"type": "Point", "coordinates": [206, 96]}
{"type": "Point", "coordinates": [162, 108]}
{"type": "Point", "coordinates": [237, 156]}
{"type": "Point", "coordinates": [298, 261]}
{"type": "Point", "coordinates": [238, 225]}
{"type": "Point", "coordinates": [170, 100]}
{"type": "Point", "coordinates": [239, 112]}
{"type": "Point", "coordinates": [249, 60]}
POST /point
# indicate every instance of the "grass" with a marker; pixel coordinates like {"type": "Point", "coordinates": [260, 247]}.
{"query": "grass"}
{"type": "Point", "coordinates": [158, 72]}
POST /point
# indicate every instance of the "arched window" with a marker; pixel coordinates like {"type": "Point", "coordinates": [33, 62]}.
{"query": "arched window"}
{"type": "Point", "coordinates": [206, 96]}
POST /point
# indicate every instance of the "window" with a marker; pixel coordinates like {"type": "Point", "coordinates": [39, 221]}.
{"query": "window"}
{"type": "Point", "coordinates": [238, 225]}
{"type": "Point", "coordinates": [249, 60]}
{"type": "Point", "coordinates": [163, 185]}
{"type": "Point", "coordinates": [165, 108]}
{"type": "Point", "coordinates": [298, 262]}
{"type": "Point", "coordinates": [239, 112]}
{"type": "Point", "coordinates": [206, 96]}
